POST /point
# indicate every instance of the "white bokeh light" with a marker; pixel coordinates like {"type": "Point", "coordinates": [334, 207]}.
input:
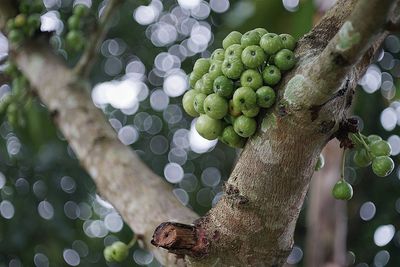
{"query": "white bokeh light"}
{"type": "Point", "coordinates": [199, 144]}
{"type": "Point", "coordinates": [384, 234]}
{"type": "Point", "coordinates": [175, 84]}
{"type": "Point", "coordinates": [189, 4]}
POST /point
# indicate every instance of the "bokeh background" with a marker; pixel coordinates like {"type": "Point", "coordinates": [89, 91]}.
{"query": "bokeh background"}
{"type": "Point", "coordinates": [50, 214]}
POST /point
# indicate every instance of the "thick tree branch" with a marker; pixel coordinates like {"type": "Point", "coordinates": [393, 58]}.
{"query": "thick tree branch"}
{"type": "Point", "coordinates": [142, 198]}
{"type": "Point", "coordinates": [355, 37]}
{"type": "Point", "coordinates": [88, 57]}
{"type": "Point", "coordinates": [253, 224]}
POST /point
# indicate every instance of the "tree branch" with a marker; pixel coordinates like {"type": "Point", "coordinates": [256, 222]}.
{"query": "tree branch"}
{"type": "Point", "coordinates": [253, 224]}
{"type": "Point", "coordinates": [88, 57]}
{"type": "Point", "coordinates": [346, 48]}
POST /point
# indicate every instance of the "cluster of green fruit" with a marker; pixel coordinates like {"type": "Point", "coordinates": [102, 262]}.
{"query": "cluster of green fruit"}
{"type": "Point", "coordinates": [75, 39]}
{"type": "Point", "coordinates": [26, 22]}
{"type": "Point", "coordinates": [15, 103]}
{"type": "Point", "coordinates": [117, 252]}
{"type": "Point", "coordinates": [369, 150]}
{"type": "Point", "coordinates": [229, 88]}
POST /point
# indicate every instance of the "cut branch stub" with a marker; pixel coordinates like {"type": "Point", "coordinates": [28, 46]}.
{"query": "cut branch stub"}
{"type": "Point", "coordinates": [181, 239]}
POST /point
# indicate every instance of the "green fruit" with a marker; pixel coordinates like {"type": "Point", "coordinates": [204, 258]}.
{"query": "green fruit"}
{"type": "Point", "coordinates": [74, 23]}
{"type": "Point", "coordinates": [261, 31]}
{"type": "Point", "coordinates": [108, 254]}
{"type": "Point", "coordinates": [251, 112]}
{"type": "Point", "coordinates": [380, 148]}
{"type": "Point", "coordinates": [119, 251]}
{"type": "Point", "coordinates": [244, 126]}
{"type": "Point", "coordinates": [15, 36]}
{"type": "Point", "coordinates": [20, 20]}
{"type": "Point", "coordinates": [223, 86]}
{"type": "Point", "coordinates": [288, 41]}
{"type": "Point", "coordinates": [265, 96]}
{"type": "Point", "coordinates": [231, 39]}
{"type": "Point", "coordinates": [232, 68]}
{"type": "Point", "coordinates": [253, 56]}
{"type": "Point", "coordinates": [188, 103]}
{"type": "Point", "coordinates": [207, 84]}
{"type": "Point", "coordinates": [229, 119]}
{"type": "Point", "coordinates": [216, 106]}
{"type": "Point", "coordinates": [215, 69]}
{"type": "Point", "coordinates": [342, 190]}
{"type": "Point", "coordinates": [10, 25]}
{"type": "Point", "coordinates": [285, 59]}
{"type": "Point", "coordinates": [250, 38]}
{"type": "Point", "coordinates": [362, 158]}
{"type": "Point", "coordinates": [372, 138]}
{"type": "Point", "coordinates": [198, 102]}
{"type": "Point", "coordinates": [80, 10]}
{"type": "Point", "coordinates": [75, 40]}
{"type": "Point", "coordinates": [271, 75]}
{"type": "Point", "coordinates": [271, 43]}
{"type": "Point", "coordinates": [218, 54]}
{"type": "Point", "coordinates": [231, 138]}
{"type": "Point", "coordinates": [201, 66]}
{"type": "Point", "coordinates": [208, 128]}
{"type": "Point", "coordinates": [193, 78]}
{"type": "Point", "coordinates": [382, 166]}
{"type": "Point", "coordinates": [320, 162]}
{"type": "Point", "coordinates": [245, 98]}
{"type": "Point", "coordinates": [251, 78]}
{"type": "Point", "coordinates": [233, 109]}
{"type": "Point", "coordinates": [234, 52]}
{"type": "Point", "coordinates": [34, 21]}
{"type": "Point", "coordinates": [198, 85]}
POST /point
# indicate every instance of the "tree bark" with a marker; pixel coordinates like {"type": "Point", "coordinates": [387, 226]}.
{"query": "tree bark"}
{"type": "Point", "coordinates": [253, 224]}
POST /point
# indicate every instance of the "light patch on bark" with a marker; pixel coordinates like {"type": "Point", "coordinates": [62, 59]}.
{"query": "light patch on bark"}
{"type": "Point", "coordinates": [268, 122]}
{"type": "Point", "coordinates": [348, 37]}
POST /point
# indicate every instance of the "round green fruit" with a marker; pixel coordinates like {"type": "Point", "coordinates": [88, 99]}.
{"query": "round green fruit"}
{"type": "Point", "coordinates": [285, 59]}
{"type": "Point", "coordinates": [15, 36]}
{"type": "Point", "coordinates": [80, 10]}
{"type": "Point", "coordinates": [215, 69]}
{"type": "Point", "coordinates": [251, 78]}
{"type": "Point", "coordinates": [198, 102]}
{"type": "Point", "coordinates": [207, 82]}
{"type": "Point", "coordinates": [193, 78]}
{"type": "Point", "coordinates": [234, 52]}
{"type": "Point", "coordinates": [245, 126]}
{"type": "Point", "coordinates": [382, 166]}
{"type": "Point", "coordinates": [250, 38]}
{"type": "Point", "coordinates": [188, 103]}
{"type": "Point", "coordinates": [362, 158]}
{"type": "Point", "coordinates": [120, 251]}
{"type": "Point", "coordinates": [232, 68]}
{"type": "Point", "coordinates": [20, 20]}
{"type": "Point", "coordinates": [380, 148]}
{"type": "Point", "coordinates": [223, 86]}
{"type": "Point", "coordinates": [261, 31]}
{"type": "Point", "coordinates": [74, 23]}
{"type": "Point", "coordinates": [215, 106]}
{"type": "Point", "coordinates": [265, 96]}
{"type": "Point", "coordinates": [288, 41]}
{"type": "Point", "coordinates": [342, 190]}
{"type": "Point", "coordinates": [218, 54]}
{"type": "Point", "coordinates": [108, 254]}
{"type": "Point", "coordinates": [253, 56]}
{"type": "Point", "coordinates": [271, 43]}
{"type": "Point", "coordinates": [231, 138]}
{"type": "Point", "coordinates": [201, 66]}
{"type": "Point", "coordinates": [251, 112]}
{"type": "Point", "coordinates": [372, 138]}
{"type": "Point", "coordinates": [208, 128]}
{"type": "Point", "coordinates": [75, 40]}
{"type": "Point", "coordinates": [244, 98]}
{"type": "Point", "coordinates": [233, 109]}
{"type": "Point", "coordinates": [271, 75]}
{"type": "Point", "coordinates": [231, 39]}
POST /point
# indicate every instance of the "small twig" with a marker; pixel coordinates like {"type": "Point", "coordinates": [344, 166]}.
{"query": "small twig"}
{"type": "Point", "coordinates": [83, 67]}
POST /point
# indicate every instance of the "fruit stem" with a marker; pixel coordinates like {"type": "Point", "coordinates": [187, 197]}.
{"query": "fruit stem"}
{"type": "Point", "coordinates": [343, 164]}
{"type": "Point", "coordinates": [363, 141]}
{"type": "Point", "coordinates": [133, 241]}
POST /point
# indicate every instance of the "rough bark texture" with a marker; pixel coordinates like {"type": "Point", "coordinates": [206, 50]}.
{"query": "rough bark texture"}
{"type": "Point", "coordinates": [326, 217]}
{"type": "Point", "coordinates": [143, 199]}
{"type": "Point", "coordinates": [253, 224]}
